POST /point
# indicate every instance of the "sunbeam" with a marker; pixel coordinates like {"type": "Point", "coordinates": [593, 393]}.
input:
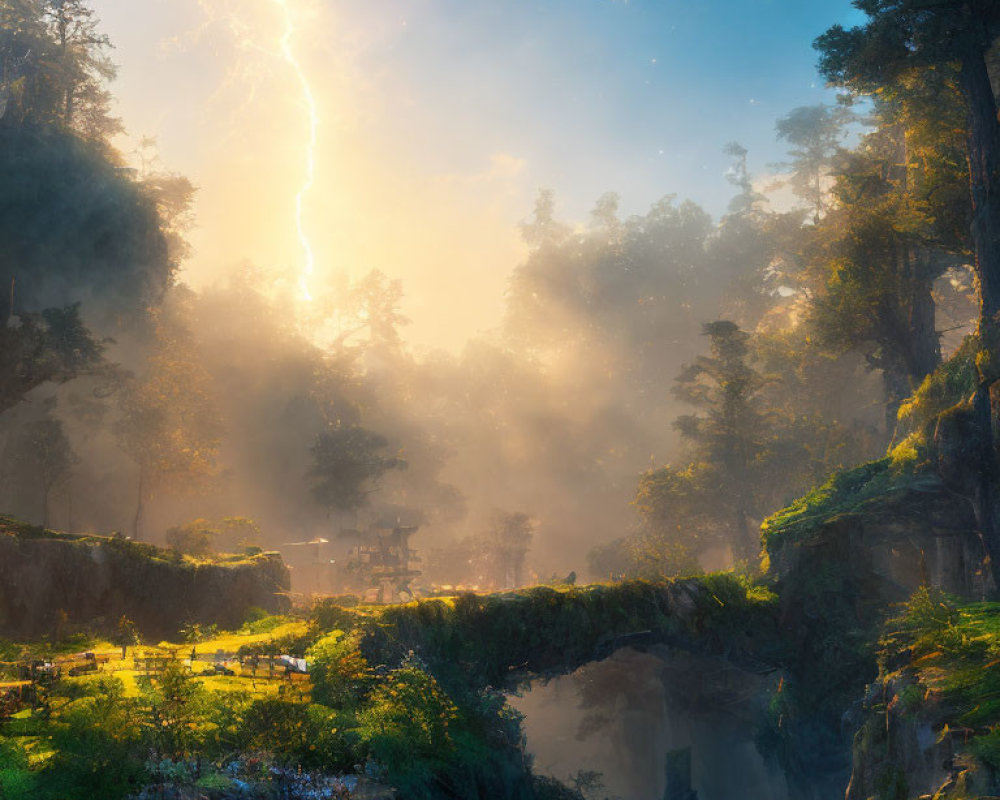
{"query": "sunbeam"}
{"type": "Point", "coordinates": [309, 100]}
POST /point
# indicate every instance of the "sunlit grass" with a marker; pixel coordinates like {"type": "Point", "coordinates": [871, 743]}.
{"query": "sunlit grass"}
{"type": "Point", "coordinates": [232, 641]}
{"type": "Point", "coordinates": [954, 651]}
{"type": "Point", "coordinates": [131, 670]}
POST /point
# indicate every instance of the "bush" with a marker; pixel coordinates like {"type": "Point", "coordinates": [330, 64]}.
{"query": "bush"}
{"type": "Point", "coordinates": [100, 748]}
{"type": "Point", "coordinates": [340, 674]}
{"type": "Point", "coordinates": [275, 725]}
{"type": "Point", "coordinates": [330, 614]}
{"type": "Point", "coordinates": [406, 726]}
{"type": "Point", "coordinates": [259, 621]}
{"type": "Point", "coordinates": [16, 780]}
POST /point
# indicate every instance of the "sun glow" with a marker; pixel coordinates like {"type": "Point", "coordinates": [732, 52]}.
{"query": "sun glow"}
{"type": "Point", "coordinates": [309, 101]}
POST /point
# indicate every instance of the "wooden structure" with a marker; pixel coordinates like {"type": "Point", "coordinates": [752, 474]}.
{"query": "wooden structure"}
{"type": "Point", "coordinates": [385, 562]}
{"type": "Point", "coordinates": [155, 661]}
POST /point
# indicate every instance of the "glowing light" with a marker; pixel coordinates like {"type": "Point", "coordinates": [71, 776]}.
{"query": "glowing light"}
{"type": "Point", "coordinates": [310, 103]}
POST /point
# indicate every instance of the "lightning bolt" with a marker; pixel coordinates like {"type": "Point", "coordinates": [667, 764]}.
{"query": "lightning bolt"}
{"type": "Point", "coordinates": [310, 104]}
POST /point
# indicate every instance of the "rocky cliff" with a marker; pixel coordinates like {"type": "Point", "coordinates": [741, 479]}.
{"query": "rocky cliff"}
{"type": "Point", "coordinates": [927, 724]}
{"type": "Point", "coordinates": [907, 704]}
{"type": "Point", "coordinates": [48, 579]}
{"type": "Point", "coordinates": [895, 529]}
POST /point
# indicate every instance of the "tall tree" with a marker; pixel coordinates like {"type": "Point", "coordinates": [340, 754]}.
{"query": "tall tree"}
{"type": "Point", "coordinates": [54, 67]}
{"type": "Point", "coordinates": [73, 224]}
{"type": "Point", "coordinates": [743, 249]}
{"type": "Point", "coordinates": [815, 134]}
{"type": "Point", "coordinates": [169, 424]}
{"type": "Point", "coordinates": [929, 36]}
{"type": "Point", "coordinates": [729, 434]}
{"type": "Point", "coordinates": [906, 35]}
{"type": "Point", "coordinates": [899, 220]}
{"type": "Point", "coordinates": [39, 348]}
{"type": "Point", "coordinates": [347, 465]}
{"type": "Point", "coordinates": [876, 264]}
{"type": "Point", "coordinates": [74, 227]}
{"type": "Point", "coordinates": [82, 68]}
{"type": "Point", "coordinates": [714, 498]}
{"type": "Point", "coordinates": [47, 453]}
{"type": "Point", "coordinates": [747, 199]}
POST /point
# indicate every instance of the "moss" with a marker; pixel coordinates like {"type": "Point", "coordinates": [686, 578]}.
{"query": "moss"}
{"type": "Point", "coordinates": [10, 526]}
{"type": "Point", "coordinates": [905, 470]}
{"type": "Point", "coordinates": [844, 492]}
{"type": "Point", "coordinates": [490, 640]}
{"type": "Point", "coordinates": [951, 383]}
{"type": "Point", "coordinates": [910, 452]}
{"type": "Point", "coordinates": [900, 482]}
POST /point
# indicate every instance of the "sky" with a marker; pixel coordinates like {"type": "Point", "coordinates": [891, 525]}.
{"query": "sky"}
{"type": "Point", "coordinates": [438, 121]}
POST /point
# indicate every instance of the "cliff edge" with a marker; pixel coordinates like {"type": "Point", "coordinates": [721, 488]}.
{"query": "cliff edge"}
{"type": "Point", "coordinates": [49, 578]}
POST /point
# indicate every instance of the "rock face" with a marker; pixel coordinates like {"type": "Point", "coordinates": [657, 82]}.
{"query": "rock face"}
{"type": "Point", "coordinates": [48, 578]}
{"type": "Point", "coordinates": [839, 559]}
{"type": "Point", "coordinates": [900, 751]}
{"type": "Point", "coordinates": [919, 536]}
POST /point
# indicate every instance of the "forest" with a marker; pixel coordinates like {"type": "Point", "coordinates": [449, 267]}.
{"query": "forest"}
{"type": "Point", "coordinates": [729, 482]}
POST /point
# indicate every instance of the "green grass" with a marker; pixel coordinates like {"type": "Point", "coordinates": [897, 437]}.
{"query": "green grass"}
{"type": "Point", "coordinates": [952, 382]}
{"type": "Point", "coordinates": [843, 493]}
{"type": "Point", "coordinates": [895, 483]}
{"type": "Point", "coordinates": [10, 526]}
{"type": "Point", "coordinates": [953, 652]}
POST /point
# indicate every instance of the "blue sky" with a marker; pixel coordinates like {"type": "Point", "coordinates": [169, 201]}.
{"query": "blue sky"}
{"type": "Point", "coordinates": [441, 119]}
{"type": "Point", "coordinates": [635, 97]}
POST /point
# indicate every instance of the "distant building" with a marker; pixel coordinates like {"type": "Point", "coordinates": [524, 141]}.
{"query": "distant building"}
{"type": "Point", "coordinates": [384, 562]}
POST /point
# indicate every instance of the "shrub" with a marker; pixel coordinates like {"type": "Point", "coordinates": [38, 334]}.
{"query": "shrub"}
{"type": "Point", "coordinates": [406, 726]}
{"type": "Point", "coordinates": [16, 780]}
{"type": "Point", "coordinates": [340, 674]}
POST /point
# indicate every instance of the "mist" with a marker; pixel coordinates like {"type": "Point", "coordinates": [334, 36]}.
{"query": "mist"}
{"type": "Point", "coordinates": [442, 400]}
{"type": "Point", "coordinates": [555, 415]}
{"type": "Point", "coordinates": [512, 348]}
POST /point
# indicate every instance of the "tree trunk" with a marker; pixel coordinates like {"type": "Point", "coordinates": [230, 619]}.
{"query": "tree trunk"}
{"type": "Point", "coordinates": [63, 27]}
{"type": "Point", "coordinates": [984, 188]}
{"type": "Point", "coordinates": [984, 181]}
{"type": "Point", "coordinates": [984, 493]}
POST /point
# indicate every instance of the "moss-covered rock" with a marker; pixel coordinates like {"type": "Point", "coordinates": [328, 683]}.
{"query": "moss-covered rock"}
{"type": "Point", "coordinates": [910, 517]}
{"type": "Point", "coordinates": [473, 641]}
{"type": "Point", "coordinates": [952, 383]}
{"type": "Point", "coordinates": [891, 528]}
{"type": "Point", "coordinates": [49, 578]}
